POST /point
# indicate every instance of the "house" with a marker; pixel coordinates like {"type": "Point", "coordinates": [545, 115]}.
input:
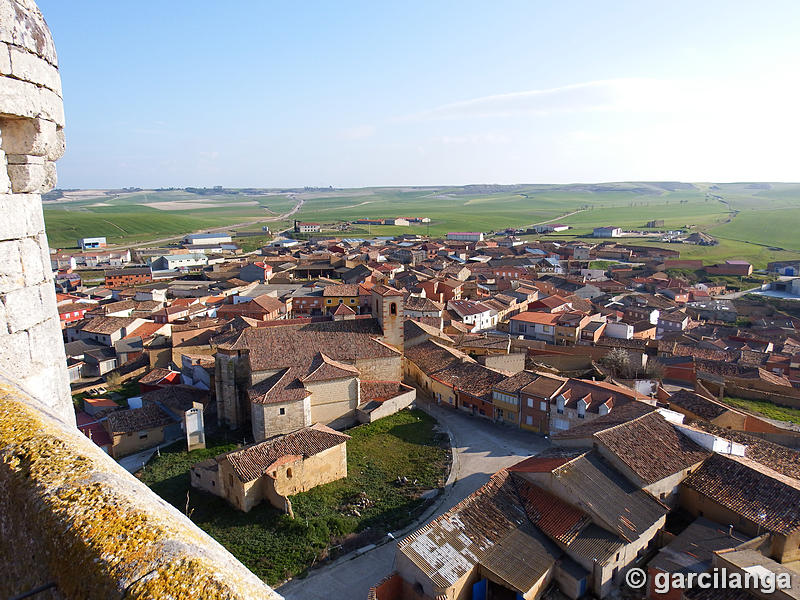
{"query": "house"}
{"type": "Point", "coordinates": [347, 294]}
{"type": "Point", "coordinates": [740, 268]}
{"type": "Point", "coordinates": [416, 307]}
{"type": "Point", "coordinates": [484, 547]}
{"type": "Point", "coordinates": [275, 469]}
{"type": "Point", "coordinates": [652, 453]}
{"type": "Point", "coordinates": [465, 236]}
{"type": "Point", "coordinates": [104, 330]}
{"type": "Point", "coordinates": [606, 232]}
{"type": "Point", "coordinates": [128, 277]}
{"type": "Point", "coordinates": [670, 322]}
{"type": "Point", "coordinates": [692, 551]}
{"type": "Point", "coordinates": [257, 271]}
{"type": "Point", "coordinates": [476, 314]}
{"type": "Point", "coordinates": [757, 499]}
{"type": "Point", "coordinates": [205, 239]}
{"type": "Point", "coordinates": [506, 397]}
{"type": "Point", "coordinates": [357, 274]}
{"type": "Point", "coordinates": [535, 325]}
{"type": "Point", "coordinates": [307, 227]}
{"type": "Point", "coordinates": [92, 243]}
{"type": "Point", "coordinates": [260, 308]}
{"type": "Point", "coordinates": [423, 361]}
{"type": "Point", "coordinates": [602, 521]}
{"type": "Point", "coordinates": [171, 262]}
{"type": "Point", "coordinates": [73, 312]}
{"type": "Point", "coordinates": [137, 429]}
{"type": "Point", "coordinates": [557, 404]}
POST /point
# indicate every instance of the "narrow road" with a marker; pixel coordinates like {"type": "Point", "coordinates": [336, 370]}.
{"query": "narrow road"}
{"type": "Point", "coordinates": [297, 207]}
{"type": "Point", "coordinates": [481, 448]}
{"type": "Point", "coordinates": [574, 212]}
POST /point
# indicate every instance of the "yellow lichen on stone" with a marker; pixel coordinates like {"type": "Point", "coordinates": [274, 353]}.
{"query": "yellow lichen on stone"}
{"type": "Point", "coordinates": [92, 528]}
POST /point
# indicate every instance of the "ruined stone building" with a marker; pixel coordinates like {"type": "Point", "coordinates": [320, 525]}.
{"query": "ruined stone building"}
{"type": "Point", "coordinates": [73, 523]}
{"type": "Point", "coordinates": [282, 377]}
{"type": "Point", "coordinates": [275, 469]}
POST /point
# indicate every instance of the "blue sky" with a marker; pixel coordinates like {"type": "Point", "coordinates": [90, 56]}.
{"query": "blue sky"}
{"type": "Point", "coordinates": [272, 94]}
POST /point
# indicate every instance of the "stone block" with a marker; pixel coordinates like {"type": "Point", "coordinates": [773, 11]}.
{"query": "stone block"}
{"type": "Point", "coordinates": [30, 67]}
{"type": "Point", "coordinates": [55, 149]}
{"type": "Point", "coordinates": [15, 355]}
{"type": "Point", "coordinates": [24, 308]}
{"type": "Point", "coordinates": [47, 343]}
{"type": "Point", "coordinates": [32, 268]}
{"type": "Point", "coordinates": [22, 24]}
{"type": "Point", "coordinates": [11, 274]}
{"type": "Point", "coordinates": [34, 137]}
{"type": "Point", "coordinates": [5, 60]}
{"type": "Point", "coordinates": [25, 99]}
{"type": "Point", "coordinates": [21, 216]}
{"type": "Point", "coordinates": [48, 295]}
{"type": "Point", "coordinates": [28, 178]}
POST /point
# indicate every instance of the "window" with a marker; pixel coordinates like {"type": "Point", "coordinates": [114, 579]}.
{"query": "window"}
{"type": "Point", "coordinates": [543, 406]}
{"type": "Point", "coordinates": [328, 301]}
{"type": "Point", "coordinates": [529, 420]}
{"type": "Point", "coordinates": [289, 473]}
{"type": "Point", "coordinates": [281, 411]}
{"type": "Point", "coordinates": [560, 411]}
{"type": "Point", "coordinates": [530, 402]}
{"type": "Point", "coordinates": [142, 435]}
{"type": "Point", "coordinates": [393, 308]}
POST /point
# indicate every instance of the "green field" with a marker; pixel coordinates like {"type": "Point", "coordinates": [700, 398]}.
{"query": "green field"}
{"type": "Point", "coordinates": [756, 222]}
{"type": "Point", "coordinates": [274, 546]}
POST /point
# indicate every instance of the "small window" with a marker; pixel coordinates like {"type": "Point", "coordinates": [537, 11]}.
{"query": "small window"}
{"type": "Point", "coordinates": [289, 473]}
{"type": "Point", "coordinates": [530, 402]}
{"type": "Point", "coordinates": [560, 411]}
{"type": "Point", "coordinates": [282, 411]}
{"type": "Point", "coordinates": [213, 483]}
{"type": "Point", "coordinates": [529, 420]}
{"type": "Point", "coordinates": [543, 406]}
{"type": "Point", "coordinates": [142, 435]}
{"type": "Point", "coordinates": [393, 308]}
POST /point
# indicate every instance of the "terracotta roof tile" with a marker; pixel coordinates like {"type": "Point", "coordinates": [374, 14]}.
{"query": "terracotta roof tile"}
{"type": "Point", "coordinates": [651, 447]}
{"type": "Point", "coordinates": [252, 462]}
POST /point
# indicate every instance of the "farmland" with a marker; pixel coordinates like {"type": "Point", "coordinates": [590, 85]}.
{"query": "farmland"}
{"type": "Point", "coordinates": [751, 221]}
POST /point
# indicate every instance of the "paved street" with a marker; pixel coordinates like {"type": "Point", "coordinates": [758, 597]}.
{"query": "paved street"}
{"type": "Point", "coordinates": [481, 449]}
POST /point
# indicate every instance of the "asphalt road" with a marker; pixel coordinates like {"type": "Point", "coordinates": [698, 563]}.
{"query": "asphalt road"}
{"type": "Point", "coordinates": [481, 449]}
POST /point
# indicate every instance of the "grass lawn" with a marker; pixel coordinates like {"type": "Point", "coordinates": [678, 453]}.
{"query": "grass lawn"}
{"type": "Point", "coordinates": [276, 547]}
{"type": "Point", "coordinates": [768, 409]}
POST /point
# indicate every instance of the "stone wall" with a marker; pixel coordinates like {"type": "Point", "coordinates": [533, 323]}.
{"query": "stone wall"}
{"type": "Point", "coordinates": [71, 517]}
{"type": "Point", "coordinates": [32, 139]}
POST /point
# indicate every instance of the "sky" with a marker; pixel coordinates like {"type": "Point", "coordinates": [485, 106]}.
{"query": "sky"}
{"type": "Point", "coordinates": [354, 94]}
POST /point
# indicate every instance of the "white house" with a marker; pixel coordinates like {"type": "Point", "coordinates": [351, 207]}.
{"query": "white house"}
{"type": "Point", "coordinates": [619, 330]}
{"type": "Point", "coordinates": [92, 243]}
{"type": "Point", "coordinates": [473, 313]}
{"type": "Point", "coordinates": [465, 236]}
{"type": "Point", "coordinates": [170, 262]}
{"type": "Point", "coordinates": [202, 239]}
{"type": "Point", "coordinates": [606, 232]}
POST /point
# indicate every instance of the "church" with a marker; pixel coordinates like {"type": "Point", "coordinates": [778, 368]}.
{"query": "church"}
{"type": "Point", "coordinates": [280, 377]}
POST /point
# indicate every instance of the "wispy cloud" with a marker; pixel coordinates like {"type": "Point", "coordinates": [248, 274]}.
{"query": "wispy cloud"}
{"type": "Point", "coordinates": [632, 94]}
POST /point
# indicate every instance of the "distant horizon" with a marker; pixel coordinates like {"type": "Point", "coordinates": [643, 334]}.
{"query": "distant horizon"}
{"type": "Point", "coordinates": [456, 185]}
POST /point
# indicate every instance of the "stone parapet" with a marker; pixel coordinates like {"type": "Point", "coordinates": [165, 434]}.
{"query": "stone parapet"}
{"type": "Point", "coordinates": [73, 519]}
{"type": "Point", "coordinates": [31, 140]}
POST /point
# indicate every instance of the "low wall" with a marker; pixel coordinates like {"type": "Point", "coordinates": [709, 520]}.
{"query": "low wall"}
{"type": "Point", "coordinates": [737, 391]}
{"type": "Point", "coordinates": [73, 518]}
